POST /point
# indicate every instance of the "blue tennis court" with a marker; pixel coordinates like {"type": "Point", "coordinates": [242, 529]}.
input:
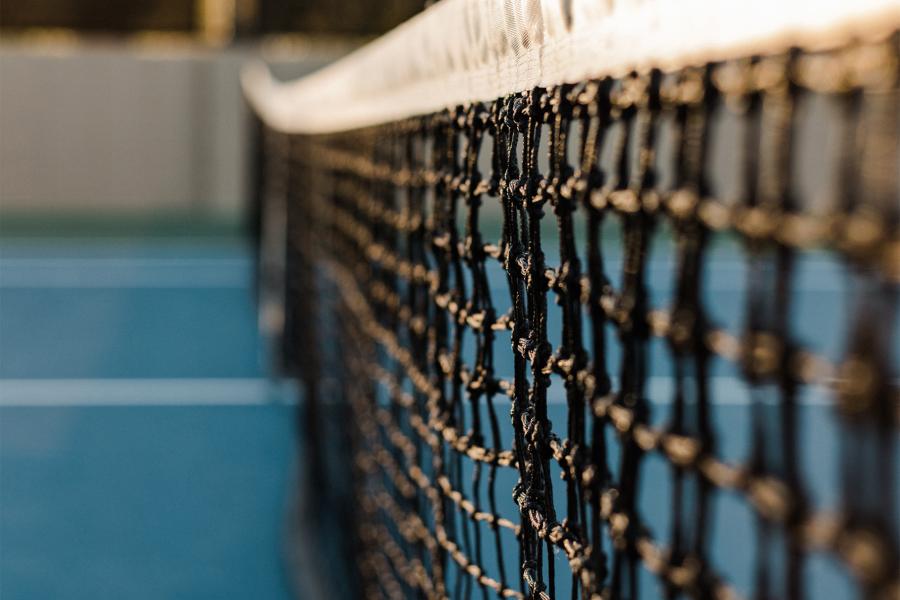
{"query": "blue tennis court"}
{"type": "Point", "coordinates": [144, 453]}
{"type": "Point", "coordinates": [143, 439]}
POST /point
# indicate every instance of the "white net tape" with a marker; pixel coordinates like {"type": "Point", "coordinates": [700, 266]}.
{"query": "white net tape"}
{"type": "Point", "coordinates": [460, 51]}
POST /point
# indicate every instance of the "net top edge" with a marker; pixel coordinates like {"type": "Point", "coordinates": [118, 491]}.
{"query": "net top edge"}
{"type": "Point", "coordinates": [462, 51]}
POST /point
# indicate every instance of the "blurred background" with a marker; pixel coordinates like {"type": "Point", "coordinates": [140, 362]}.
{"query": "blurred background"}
{"type": "Point", "coordinates": [145, 449]}
{"type": "Point", "coordinates": [118, 109]}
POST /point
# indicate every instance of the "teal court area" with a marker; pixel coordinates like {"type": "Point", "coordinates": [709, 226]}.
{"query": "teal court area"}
{"type": "Point", "coordinates": [143, 451]}
{"type": "Point", "coordinates": [146, 452]}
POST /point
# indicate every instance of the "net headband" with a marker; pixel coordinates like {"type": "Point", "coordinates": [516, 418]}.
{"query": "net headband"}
{"type": "Point", "coordinates": [462, 51]}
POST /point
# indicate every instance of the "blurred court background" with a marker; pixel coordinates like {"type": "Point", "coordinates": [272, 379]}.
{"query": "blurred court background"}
{"type": "Point", "coordinates": [145, 451]}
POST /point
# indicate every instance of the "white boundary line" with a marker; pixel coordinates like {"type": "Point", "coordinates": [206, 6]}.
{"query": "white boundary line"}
{"type": "Point", "coordinates": [119, 262]}
{"type": "Point", "coordinates": [105, 272]}
{"type": "Point", "coordinates": [126, 281]}
{"type": "Point", "coordinates": [33, 393]}
{"type": "Point", "coordinates": [18, 393]}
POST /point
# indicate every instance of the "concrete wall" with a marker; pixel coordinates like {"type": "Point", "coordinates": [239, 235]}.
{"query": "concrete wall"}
{"type": "Point", "coordinates": [118, 128]}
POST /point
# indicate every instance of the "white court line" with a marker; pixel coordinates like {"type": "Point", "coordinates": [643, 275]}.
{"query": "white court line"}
{"type": "Point", "coordinates": [124, 273]}
{"type": "Point", "coordinates": [724, 391]}
{"type": "Point", "coordinates": [113, 272]}
{"type": "Point", "coordinates": [120, 241]}
{"type": "Point", "coordinates": [202, 281]}
{"type": "Point", "coordinates": [145, 392]}
{"type": "Point", "coordinates": [119, 261]}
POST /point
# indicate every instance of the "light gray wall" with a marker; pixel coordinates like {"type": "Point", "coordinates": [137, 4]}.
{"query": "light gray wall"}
{"type": "Point", "coordinates": [119, 128]}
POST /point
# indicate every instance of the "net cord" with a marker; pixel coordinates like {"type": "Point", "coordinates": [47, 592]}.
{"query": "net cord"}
{"type": "Point", "coordinates": [462, 51]}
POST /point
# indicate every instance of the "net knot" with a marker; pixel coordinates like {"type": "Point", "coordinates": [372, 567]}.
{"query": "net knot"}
{"type": "Point", "coordinates": [529, 574]}
{"type": "Point", "coordinates": [478, 117]}
{"type": "Point", "coordinates": [519, 113]}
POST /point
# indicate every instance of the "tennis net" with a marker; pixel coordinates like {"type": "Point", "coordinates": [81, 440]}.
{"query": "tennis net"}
{"type": "Point", "coordinates": [597, 300]}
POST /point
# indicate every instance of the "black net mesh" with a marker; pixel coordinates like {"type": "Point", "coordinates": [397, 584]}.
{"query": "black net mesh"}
{"type": "Point", "coordinates": [529, 397]}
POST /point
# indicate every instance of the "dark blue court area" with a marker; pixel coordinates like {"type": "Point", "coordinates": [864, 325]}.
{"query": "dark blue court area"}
{"type": "Point", "coordinates": [143, 451]}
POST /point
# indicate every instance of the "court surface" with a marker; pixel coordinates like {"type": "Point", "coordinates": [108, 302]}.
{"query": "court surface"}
{"type": "Point", "coordinates": [143, 453]}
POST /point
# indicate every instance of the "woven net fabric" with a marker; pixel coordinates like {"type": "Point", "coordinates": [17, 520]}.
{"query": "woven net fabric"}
{"type": "Point", "coordinates": [452, 275]}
